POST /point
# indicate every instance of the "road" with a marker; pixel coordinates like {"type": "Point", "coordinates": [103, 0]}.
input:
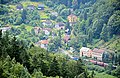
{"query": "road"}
{"type": "Point", "coordinates": [66, 53]}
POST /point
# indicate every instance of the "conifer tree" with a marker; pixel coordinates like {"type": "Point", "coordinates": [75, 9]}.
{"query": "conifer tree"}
{"type": "Point", "coordinates": [54, 68]}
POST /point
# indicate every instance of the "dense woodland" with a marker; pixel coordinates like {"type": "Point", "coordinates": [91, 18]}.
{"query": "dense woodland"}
{"type": "Point", "coordinates": [98, 25]}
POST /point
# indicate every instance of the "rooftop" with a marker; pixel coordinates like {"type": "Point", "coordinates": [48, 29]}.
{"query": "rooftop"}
{"type": "Point", "coordinates": [44, 41]}
{"type": "Point", "coordinates": [98, 50]}
{"type": "Point", "coordinates": [67, 37]}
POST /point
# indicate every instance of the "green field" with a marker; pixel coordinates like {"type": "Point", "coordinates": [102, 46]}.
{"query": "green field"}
{"type": "Point", "coordinates": [103, 75]}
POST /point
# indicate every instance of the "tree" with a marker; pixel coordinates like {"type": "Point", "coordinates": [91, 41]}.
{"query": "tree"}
{"type": "Point", "coordinates": [80, 67]}
{"type": "Point", "coordinates": [114, 23]}
{"type": "Point", "coordinates": [69, 3]}
{"type": "Point", "coordinates": [116, 72]}
{"type": "Point", "coordinates": [18, 21]}
{"type": "Point", "coordinates": [70, 69]}
{"type": "Point", "coordinates": [90, 36]}
{"type": "Point", "coordinates": [59, 19]}
{"type": "Point", "coordinates": [3, 9]}
{"type": "Point", "coordinates": [64, 13]}
{"type": "Point", "coordinates": [37, 73]}
{"type": "Point", "coordinates": [105, 33]}
{"type": "Point", "coordinates": [54, 68]}
{"type": "Point", "coordinates": [24, 13]}
{"type": "Point", "coordinates": [75, 4]}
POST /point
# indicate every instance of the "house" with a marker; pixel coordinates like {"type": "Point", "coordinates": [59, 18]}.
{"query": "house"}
{"type": "Point", "coordinates": [37, 30]}
{"type": "Point", "coordinates": [6, 28]}
{"type": "Point", "coordinates": [66, 38]}
{"type": "Point", "coordinates": [72, 19]}
{"type": "Point", "coordinates": [31, 7]}
{"type": "Point", "coordinates": [47, 23]}
{"type": "Point", "coordinates": [54, 13]}
{"type": "Point", "coordinates": [42, 44]}
{"type": "Point", "coordinates": [60, 26]}
{"type": "Point", "coordinates": [41, 7]}
{"type": "Point", "coordinates": [47, 31]}
{"type": "Point", "coordinates": [84, 51]}
{"type": "Point", "coordinates": [19, 7]}
{"type": "Point", "coordinates": [98, 54]}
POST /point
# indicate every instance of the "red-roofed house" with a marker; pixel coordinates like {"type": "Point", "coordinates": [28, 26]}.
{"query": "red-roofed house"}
{"type": "Point", "coordinates": [72, 19]}
{"type": "Point", "coordinates": [43, 44]}
{"type": "Point", "coordinates": [66, 38]}
{"type": "Point", "coordinates": [98, 53]}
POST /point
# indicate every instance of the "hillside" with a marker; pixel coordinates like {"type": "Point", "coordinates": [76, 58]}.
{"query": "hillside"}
{"type": "Point", "coordinates": [44, 37]}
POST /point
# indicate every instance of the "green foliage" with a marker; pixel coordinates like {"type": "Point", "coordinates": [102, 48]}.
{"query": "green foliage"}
{"type": "Point", "coordinates": [65, 13]}
{"type": "Point", "coordinates": [116, 72]}
{"type": "Point", "coordinates": [54, 68]}
{"type": "Point", "coordinates": [3, 9]}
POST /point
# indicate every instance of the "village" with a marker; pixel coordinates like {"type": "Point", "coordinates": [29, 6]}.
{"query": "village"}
{"type": "Point", "coordinates": [51, 29]}
{"type": "Point", "coordinates": [60, 38]}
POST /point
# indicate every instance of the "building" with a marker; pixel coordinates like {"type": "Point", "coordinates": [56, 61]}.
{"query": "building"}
{"type": "Point", "coordinates": [60, 26]}
{"type": "Point", "coordinates": [47, 23]}
{"type": "Point", "coordinates": [19, 7]}
{"type": "Point", "coordinates": [66, 38]}
{"type": "Point", "coordinates": [72, 19]}
{"type": "Point", "coordinates": [42, 44]}
{"type": "Point", "coordinates": [47, 31]}
{"type": "Point", "coordinates": [31, 7]}
{"type": "Point", "coordinates": [98, 54]}
{"type": "Point", "coordinates": [84, 51]}
{"type": "Point", "coordinates": [41, 7]}
{"type": "Point", "coordinates": [54, 13]}
{"type": "Point", "coordinates": [37, 30]}
{"type": "Point", "coordinates": [5, 28]}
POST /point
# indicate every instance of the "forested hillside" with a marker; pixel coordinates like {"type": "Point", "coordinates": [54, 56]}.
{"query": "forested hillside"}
{"type": "Point", "coordinates": [43, 38]}
{"type": "Point", "coordinates": [98, 19]}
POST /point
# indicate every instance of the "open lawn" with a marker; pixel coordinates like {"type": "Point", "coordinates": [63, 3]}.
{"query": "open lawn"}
{"type": "Point", "coordinates": [25, 3]}
{"type": "Point", "coordinates": [43, 15]}
{"type": "Point", "coordinates": [28, 28]}
{"type": "Point", "coordinates": [103, 75]}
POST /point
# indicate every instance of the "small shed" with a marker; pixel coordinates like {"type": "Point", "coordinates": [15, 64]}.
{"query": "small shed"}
{"type": "Point", "coordinates": [19, 7]}
{"type": "Point", "coordinates": [41, 7]}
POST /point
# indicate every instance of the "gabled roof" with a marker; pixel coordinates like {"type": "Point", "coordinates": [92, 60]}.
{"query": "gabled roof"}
{"type": "Point", "coordinates": [98, 50]}
{"type": "Point", "coordinates": [47, 22]}
{"type": "Point", "coordinates": [32, 7]}
{"type": "Point", "coordinates": [60, 24]}
{"type": "Point", "coordinates": [19, 6]}
{"type": "Point", "coordinates": [67, 37]}
{"type": "Point", "coordinates": [44, 41]}
{"type": "Point", "coordinates": [54, 13]}
{"type": "Point", "coordinates": [48, 29]}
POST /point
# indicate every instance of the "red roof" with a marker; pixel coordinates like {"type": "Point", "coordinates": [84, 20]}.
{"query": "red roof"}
{"type": "Point", "coordinates": [44, 41]}
{"type": "Point", "coordinates": [98, 50]}
{"type": "Point", "coordinates": [67, 37]}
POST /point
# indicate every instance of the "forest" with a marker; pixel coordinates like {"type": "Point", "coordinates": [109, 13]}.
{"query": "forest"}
{"type": "Point", "coordinates": [35, 33]}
